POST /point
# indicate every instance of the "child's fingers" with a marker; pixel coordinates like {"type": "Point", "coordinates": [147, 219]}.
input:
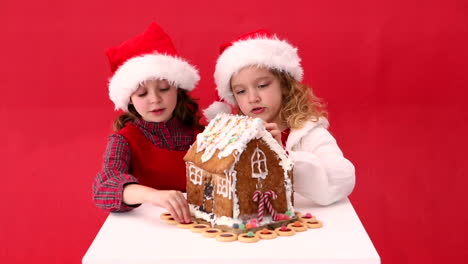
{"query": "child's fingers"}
{"type": "Point", "coordinates": [271, 126]}
{"type": "Point", "coordinates": [274, 131]}
{"type": "Point", "coordinates": [184, 208]}
{"type": "Point", "coordinates": [186, 212]}
{"type": "Point", "coordinates": [174, 201]}
{"type": "Point", "coordinates": [181, 209]}
{"type": "Point", "coordinates": [174, 209]}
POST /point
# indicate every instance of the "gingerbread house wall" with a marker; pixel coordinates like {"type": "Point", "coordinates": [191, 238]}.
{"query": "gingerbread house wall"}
{"type": "Point", "coordinates": [195, 195]}
{"type": "Point", "coordinates": [219, 204]}
{"type": "Point", "coordinates": [246, 185]}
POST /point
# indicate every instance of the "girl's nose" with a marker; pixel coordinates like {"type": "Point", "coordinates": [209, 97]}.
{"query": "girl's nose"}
{"type": "Point", "coordinates": [254, 97]}
{"type": "Point", "coordinates": [155, 97]}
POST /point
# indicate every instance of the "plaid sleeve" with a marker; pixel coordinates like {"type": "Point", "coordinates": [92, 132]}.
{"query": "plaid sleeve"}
{"type": "Point", "coordinates": [109, 182]}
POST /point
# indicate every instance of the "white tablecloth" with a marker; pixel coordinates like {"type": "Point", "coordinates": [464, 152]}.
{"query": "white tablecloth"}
{"type": "Point", "coordinates": [139, 237]}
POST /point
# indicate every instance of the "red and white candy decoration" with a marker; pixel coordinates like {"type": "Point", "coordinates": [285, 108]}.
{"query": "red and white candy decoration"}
{"type": "Point", "coordinates": [263, 200]}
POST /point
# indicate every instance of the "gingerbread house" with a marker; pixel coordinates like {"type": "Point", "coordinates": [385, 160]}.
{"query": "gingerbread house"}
{"type": "Point", "coordinates": [238, 173]}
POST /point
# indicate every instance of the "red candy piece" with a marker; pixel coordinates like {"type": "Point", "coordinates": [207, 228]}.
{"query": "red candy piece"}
{"type": "Point", "coordinates": [308, 215]}
{"type": "Point", "coordinates": [297, 224]}
{"type": "Point", "coordinates": [265, 231]}
{"type": "Point", "coordinates": [283, 228]}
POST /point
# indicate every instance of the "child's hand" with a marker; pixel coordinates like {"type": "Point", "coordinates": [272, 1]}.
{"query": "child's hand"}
{"type": "Point", "coordinates": [274, 131]}
{"type": "Point", "coordinates": [174, 202]}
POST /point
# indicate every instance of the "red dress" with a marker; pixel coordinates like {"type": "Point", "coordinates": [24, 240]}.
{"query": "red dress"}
{"type": "Point", "coordinates": [145, 153]}
{"type": "Point", "coordinates": [154, 167]}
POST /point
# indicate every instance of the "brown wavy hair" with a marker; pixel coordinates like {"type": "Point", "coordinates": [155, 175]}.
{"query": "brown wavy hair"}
{"type": "Point", "coordinates": [299, 102]}
{"type": "Point", "coordinates": [186, 111]}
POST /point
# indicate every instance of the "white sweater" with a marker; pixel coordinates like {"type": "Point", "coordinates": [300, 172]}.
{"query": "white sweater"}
{"type": "Point", "coordinates": [321, 172]}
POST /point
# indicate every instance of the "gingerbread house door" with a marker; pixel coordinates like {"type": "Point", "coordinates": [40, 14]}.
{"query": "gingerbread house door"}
{"type": "Point", "coordinates": [208, 196]}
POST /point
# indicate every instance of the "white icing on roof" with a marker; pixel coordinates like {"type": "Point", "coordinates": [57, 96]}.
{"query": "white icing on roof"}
{"type": "Point", "coordinates": [227, 133]}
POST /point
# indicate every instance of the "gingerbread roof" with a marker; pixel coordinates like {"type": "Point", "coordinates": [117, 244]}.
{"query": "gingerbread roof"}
{"type": "Point", "coordinates": [226, 137]}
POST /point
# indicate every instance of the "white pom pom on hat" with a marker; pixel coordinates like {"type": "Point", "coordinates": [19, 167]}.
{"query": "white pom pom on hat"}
{"type": "Point", "coordinates": [215, 108]}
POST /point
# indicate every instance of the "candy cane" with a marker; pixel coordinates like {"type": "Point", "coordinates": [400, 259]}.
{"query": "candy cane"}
{"type": "Point", "coordinates": [263, 199]}
{"type": "Point", "coordinates": [269, 206]}
{"type": "Point", "coordinates": [259, 197]}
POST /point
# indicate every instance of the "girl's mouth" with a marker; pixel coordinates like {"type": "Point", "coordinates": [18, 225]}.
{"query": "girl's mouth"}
{"type": "Point", "coordinates": [258, 110]}
{"type": "Point", "coordinates": [158, 111]}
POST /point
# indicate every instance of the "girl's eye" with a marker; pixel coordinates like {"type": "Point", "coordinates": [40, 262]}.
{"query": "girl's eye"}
{"type": "Point", "coordinates": [240, 91]}
{"type": "Point", "coordinates": [142, 94]}
{"type": "Point", "coordinates": [263, 85]}
{"type": "Point", "coordinates": [164, 89]}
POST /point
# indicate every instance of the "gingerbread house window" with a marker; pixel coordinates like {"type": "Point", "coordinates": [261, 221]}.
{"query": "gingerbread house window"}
{"type": "Point", "coordinates": [222, 187]}
{"type": "Point", "coordinates": [258, 163]}
{"type": "Point", "coordinates": [195, 174]}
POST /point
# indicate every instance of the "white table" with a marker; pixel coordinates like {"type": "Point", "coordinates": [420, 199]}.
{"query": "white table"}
{"type": "Point", "coordinates": [139, 237]}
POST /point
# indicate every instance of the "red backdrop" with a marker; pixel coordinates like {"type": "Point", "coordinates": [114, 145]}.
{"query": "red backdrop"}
{"type": "Point", "coordinates": [394, 75]}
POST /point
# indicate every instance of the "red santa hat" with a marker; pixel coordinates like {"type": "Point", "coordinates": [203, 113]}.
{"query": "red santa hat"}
{"type": "Point", "coordinates": [259, 48]}
{"type": "Point", "coordinates": [151, 55]}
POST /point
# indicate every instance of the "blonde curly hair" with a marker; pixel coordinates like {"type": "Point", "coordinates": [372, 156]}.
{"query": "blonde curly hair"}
{"type": "Point", "coordinates": [299, 102]}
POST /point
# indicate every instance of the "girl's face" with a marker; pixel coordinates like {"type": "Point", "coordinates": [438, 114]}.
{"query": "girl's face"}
{"type": "Point", "coordinates": [258, 93]}
{"type": "Point", "coordinates": [155, 100]}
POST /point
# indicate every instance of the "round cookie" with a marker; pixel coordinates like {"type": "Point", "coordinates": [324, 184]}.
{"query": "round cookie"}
{"type": "Point", "coordinates": [186, 225]}
{"type": "Point", "coordinates": [314, 224]}
{"type": "Point", "coordinates": [226, 237]}
{"type": "Point", "coordinates": [245, 238]}
{"type": "Point", "coordinates": [211, 232]}
{"type": "Point", "coordinates": [199, 228]}
{"type": "Point", "coordinates": [266, 234]}
{"type": "Point", "coordinates": [298, 226]}
{"type": "Point", "coordinates": [285, 231]}
{"type": "Point", "coordinates": [307, 217]}
{"type": "Point", "coordinates": [171, 221]}
{"type": "Point", "coordinates": [165, 216]}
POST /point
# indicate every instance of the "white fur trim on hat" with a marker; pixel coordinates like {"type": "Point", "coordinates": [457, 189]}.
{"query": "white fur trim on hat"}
{"type": "Point", "coordinates": [215, 108]}
{"type": "Point", "coordinates": [136, 70]}
{"type": "Point", "coordinates": [270, 52]}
